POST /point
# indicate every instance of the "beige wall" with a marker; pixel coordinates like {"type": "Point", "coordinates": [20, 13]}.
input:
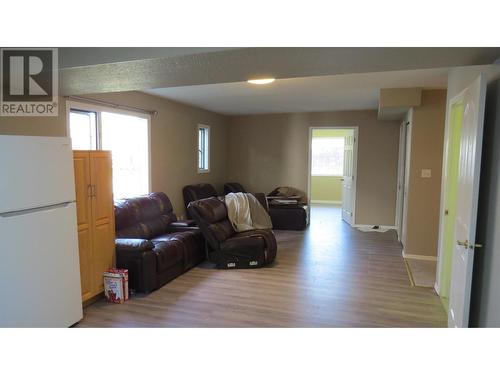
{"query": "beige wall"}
{"type": "Point", "coordinates": [173, 140]}
{"type": "Point", "coordinates": [261, 152]}
{"type": "Point", "coordinates": [427, 137]}
{"type": "Point", "coordinates": [36, 126]}
{"type": "Point", "coordinates": [266, 151]}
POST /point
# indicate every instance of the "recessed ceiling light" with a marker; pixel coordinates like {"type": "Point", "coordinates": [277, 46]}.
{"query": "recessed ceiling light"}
{"type": "Point", "coordinates": [264, 81]}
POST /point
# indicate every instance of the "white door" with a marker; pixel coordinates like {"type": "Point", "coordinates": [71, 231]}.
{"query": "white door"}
{"type": "Point", "coordinates": [467, 197]}
{"type": "Point", "coordinates": [347, 180]}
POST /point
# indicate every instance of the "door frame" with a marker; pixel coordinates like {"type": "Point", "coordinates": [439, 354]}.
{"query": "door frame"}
{"type": "Point", "coordinates": [444, 179]}
{"type": "Point", "coordinates": [354, 166]}
{"type": "Point", "coordinates": [401, 179]}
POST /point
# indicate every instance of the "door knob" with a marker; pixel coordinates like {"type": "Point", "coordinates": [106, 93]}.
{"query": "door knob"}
{"type": "Point", "coordinates": [468, 245]}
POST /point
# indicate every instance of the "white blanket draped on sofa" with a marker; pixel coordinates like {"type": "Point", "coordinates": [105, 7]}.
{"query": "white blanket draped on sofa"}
{"type": "Point", "coordinates": [246, 213]}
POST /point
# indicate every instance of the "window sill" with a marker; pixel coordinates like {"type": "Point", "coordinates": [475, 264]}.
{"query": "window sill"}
{"type": "Point", "coordinates": [200, 171]}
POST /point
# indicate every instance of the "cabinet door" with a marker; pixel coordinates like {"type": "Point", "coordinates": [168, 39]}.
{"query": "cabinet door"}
{"type": "Point", "coordinates": [81, 161]}
{"type": "Point", "coordinates": [102, 215]}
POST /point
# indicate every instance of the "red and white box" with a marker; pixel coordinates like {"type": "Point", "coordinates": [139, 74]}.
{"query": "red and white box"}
{"type": "Point", "coordinates": [116, 285]}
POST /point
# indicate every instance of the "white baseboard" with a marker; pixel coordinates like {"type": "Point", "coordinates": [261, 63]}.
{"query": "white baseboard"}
{"type": "Point", "coordinates": [369, 226]}
{"type": "Point", "coordinates": [436, 288]}
{"type": "Point", "coordinates": [418, 257]}
{"type": "Point", "coordinates": [318, 201]}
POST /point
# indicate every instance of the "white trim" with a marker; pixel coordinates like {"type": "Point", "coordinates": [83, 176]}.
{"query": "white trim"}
{"type": "Point", "coordinates": [436, 286]}
{"type": "Point", "coordinates": [418, 257]}
{"type": "Point", "coordinates": [370, 226]}
{"type": "Point", "coordinates": [101, 108]}
{"type": "Point", "coordinates": [400, 183]}
{"type": "Point", "coordinates": [406, 182]}
{"type": "Point", "coordinates": [207, 127]}
{"type": "Point", "coordinates": [355, 163]}
{"type": "Point", "coordinates": [320, 201]}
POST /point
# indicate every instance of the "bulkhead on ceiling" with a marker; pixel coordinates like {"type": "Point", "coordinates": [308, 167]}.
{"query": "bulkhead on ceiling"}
{"type": "Point", "coordinates": [394, 103]}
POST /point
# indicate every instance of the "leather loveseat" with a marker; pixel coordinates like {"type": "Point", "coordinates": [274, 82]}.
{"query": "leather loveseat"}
{"type": "Point", "coordinates": [152, 244]}
{"type": "Point", "coordinates": [225, 247]}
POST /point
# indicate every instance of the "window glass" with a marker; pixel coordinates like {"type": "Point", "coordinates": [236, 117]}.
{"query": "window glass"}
{"type": "Point", "coordinates": [83, 130]}
{"type": "Point", "coordinates": [327, 156]}
{"type": "Point", "coordinates": [127, 138]}
{"type": "Point", "coordinates": [203, 148]}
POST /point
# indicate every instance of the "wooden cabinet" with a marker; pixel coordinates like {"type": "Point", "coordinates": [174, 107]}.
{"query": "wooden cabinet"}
{"type": "Point", "coordinates": [95, 218]}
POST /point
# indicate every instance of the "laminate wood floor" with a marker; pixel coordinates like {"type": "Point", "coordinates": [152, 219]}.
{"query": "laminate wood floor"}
{"type": "Point", "coordinates": [330, 275]}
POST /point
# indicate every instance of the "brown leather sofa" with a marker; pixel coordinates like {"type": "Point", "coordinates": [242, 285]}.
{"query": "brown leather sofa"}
{"type": "Point", "coordinates": [152, 244]}
{"type": "Point", "coordinates": [195, 192]}
{"type": "Point", "coordinates": [225, 247]}
{"type": "Point", "coordinates": [286, 217]}
{"type": "Point", "coordinates": [233, 187]}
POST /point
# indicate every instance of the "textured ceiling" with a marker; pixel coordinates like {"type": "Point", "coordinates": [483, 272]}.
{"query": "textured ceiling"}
{"type": "Point", "coordinates": [71, 57]}
{"type": "Point", "coordinates": [310, 94]}
{"type": "Point", "coordinates": [86, 71]}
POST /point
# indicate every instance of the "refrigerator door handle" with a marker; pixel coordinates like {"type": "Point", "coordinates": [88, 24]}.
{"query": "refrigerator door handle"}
{"type": "Point", "coordinates": [36, 209]}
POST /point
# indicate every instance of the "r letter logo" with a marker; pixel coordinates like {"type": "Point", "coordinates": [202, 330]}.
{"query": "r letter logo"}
{"type": "Point", "coordinates": [29, 82]}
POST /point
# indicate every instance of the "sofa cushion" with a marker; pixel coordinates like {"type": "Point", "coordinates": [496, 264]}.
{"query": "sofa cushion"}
{"type": "Point", "coordinates": [192, 245]}
{"type": "Point", "coordinates": [211, 210]}
{"type": "Point", "coordinates": [196, 192]}
{"type": "Point", "coordinates": [222, 230]}
{"type": "Point", "coordinates": [143, 217]}
{"type": "Point", "coordinates": [168, 253]}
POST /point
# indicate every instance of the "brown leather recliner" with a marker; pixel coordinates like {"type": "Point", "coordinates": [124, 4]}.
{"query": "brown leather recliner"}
{"type": "Point", "coordinates": [152, 244]}
{"type": "Point", "coordinates": [227, 248]}
{"type": "Point", "coordinates": [233, 187]}
{"type": "Point", "coordinates": [197, 191]}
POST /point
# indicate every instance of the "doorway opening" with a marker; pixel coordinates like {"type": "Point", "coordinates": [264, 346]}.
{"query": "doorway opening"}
{"type": "Point", "coordinates": [332, 169]}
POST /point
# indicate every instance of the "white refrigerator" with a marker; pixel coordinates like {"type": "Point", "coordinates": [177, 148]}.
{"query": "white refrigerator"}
{"type": "Point", "coordinates": [39, 262]}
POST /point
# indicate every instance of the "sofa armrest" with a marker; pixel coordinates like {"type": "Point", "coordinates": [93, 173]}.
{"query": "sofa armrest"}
{"type": "Point", "coordinates": [183, 223]}
{"type": "Point", "coordinates": [133, 244]}
{"type": "Point", "coordinates": [182, 226]}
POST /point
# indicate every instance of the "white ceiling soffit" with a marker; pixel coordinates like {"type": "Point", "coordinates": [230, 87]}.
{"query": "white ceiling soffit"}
{"type": "Point", "coordinates": [129, 70]}
{"type": "Point", "coordinates": [311, 94]}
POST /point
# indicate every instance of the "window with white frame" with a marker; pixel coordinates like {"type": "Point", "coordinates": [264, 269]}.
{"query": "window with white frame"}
{"type": "Point", "coordinates": [126, 135]}
{"type": "Point", "coordinates": [327, 156]}
{"type": "Point", "coordinates": [203, 148]}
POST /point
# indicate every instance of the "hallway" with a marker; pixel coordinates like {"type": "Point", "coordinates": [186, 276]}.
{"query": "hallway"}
{"type": "Point", "coordinates": [330, 275]}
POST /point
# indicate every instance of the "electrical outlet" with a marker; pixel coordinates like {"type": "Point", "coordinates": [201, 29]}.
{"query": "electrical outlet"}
{"type": "Point", "coordinates": [426, 173]}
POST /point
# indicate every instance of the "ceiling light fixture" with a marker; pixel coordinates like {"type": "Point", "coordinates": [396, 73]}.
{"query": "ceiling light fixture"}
{"type": "Point", "coordinates": [264, 81]}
